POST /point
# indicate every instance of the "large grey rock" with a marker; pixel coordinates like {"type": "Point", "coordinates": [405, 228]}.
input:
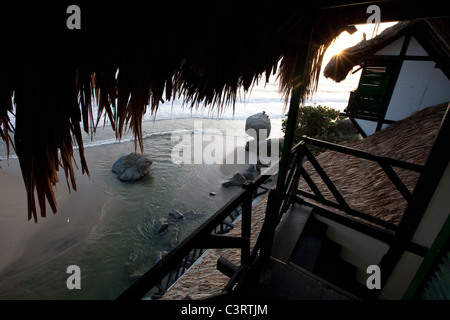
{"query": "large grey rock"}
{"type": "Point", "coordinates": [250, 168]}
{"type": "Point", "coordinates": [237, 180]}
{"type": "Point", "coordinates": [267, 144]}
{"type": "Point", "coordinates": [248, 175]}
{"type": "Point", "coordinates": [257, 122]}
{"type": "Point", "coordinates": [161, 225]}
{"type": "Point", "coordinates": [132, 167]}
{"type": "Point", "coordinates": [176, 214]}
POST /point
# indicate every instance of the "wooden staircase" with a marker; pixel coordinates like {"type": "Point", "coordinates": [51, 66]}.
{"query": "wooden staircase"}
{"type": "Point", "coordinates": [304, 263]}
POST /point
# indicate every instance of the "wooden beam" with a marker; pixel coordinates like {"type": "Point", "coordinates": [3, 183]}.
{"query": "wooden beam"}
{"type": "Point", "coordinates": [436, 164]}
{"type": "Point", "coordinates": [288, 140]}
{"type": "Point", "coordinates": [227, 267]}
{"type": "Point", "coordinates": [214, 241]}
{"type": "Point", "coordinates": [363, 227]}
{"type": "Point", "coordinates": [349, 211]}
{"type": "Point", "coordinates": [396, 69]}
{"type": "Point", "coordinates": [337, 195]}
{"type": "Point", "coordinates": [311, 184]}
{"type": "Point", "coordinates": [396, 181]}
{"type": "Point", "coordinates": [246, 224]}
{"type": "Point", "coordinates": [365, 155]}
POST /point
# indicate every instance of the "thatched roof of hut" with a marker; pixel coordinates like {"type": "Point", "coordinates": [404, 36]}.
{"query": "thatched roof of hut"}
{"type": "Point", "coordinates": [131, 56]}
{"type": "Point", "coordinates": [363, 183]}
{"type": "Point", "coordinates": [435, 32]}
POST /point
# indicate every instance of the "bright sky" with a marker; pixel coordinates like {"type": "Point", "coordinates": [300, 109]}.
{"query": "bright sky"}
{"type": "Point", "coordinates": [346, 40]}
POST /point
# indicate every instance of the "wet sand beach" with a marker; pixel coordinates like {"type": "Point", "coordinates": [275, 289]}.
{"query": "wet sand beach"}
{"type": "Point", "coordinates": [24, 243]}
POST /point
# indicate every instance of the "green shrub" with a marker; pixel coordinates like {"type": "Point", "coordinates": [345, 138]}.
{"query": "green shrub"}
{"type": "Point", "coordinates": [316, 122]}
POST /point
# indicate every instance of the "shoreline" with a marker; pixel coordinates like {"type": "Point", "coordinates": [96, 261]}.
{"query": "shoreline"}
{"type": "Point", "coordinates": [25, 243]}
{"type": "Point", "coordinates": [113, 215]}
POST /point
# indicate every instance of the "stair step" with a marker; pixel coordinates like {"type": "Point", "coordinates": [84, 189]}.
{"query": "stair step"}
{"type": "Point", "coordinates": [309, 244]}
{"type": "Point", "coordinates": [289, 230]}
{"type": "Point", "coordinates": [329, 256]}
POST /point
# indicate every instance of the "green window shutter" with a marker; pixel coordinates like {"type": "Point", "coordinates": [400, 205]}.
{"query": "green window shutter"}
{"type": "Point", "coordinates": [438, 285]}
{"type": "Point", "coordinates": [368, 98]}
{"type": "Point", "coordinates": [432, 280]}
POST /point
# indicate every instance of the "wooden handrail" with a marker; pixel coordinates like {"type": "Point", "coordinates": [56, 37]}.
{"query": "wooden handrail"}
{"type": "Point", "coordinates": [202, 237]}
{"type": "Point", "coordinates": [385, 163]}
{"type": "Point", "coordinates": [365, 155]}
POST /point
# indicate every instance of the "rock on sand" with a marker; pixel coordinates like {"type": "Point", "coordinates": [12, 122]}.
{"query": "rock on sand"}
{"type": "Point", "coordinates": [132, 167]}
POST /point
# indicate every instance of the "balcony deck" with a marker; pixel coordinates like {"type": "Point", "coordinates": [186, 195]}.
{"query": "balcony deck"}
{"type": "Point", "coordinates": [281, 277]}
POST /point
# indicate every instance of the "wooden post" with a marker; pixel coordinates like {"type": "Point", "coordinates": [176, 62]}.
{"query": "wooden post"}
{"type": "Point", "coordinates": [276, 196]}
{"type": "Point", "coordinates": [436, 164]}
{"type": "Point", "coordinates": [246, 222]}
{"type": "Point", "coordinates": [288, 139]}
{"type": "Point", "coordinates": [270, 224]}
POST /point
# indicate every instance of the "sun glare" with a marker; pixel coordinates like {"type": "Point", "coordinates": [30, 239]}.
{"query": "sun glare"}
{"type": "Point", "coordinates": [346, 40]}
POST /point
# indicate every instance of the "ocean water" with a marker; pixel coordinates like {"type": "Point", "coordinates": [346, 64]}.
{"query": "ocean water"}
{"type": "Point", "coordinates": [123, 244]}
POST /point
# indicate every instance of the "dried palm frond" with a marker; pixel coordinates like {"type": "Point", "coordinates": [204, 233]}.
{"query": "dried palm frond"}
{"type": "Point", "coordinates": [6, 108]}
{"type": "Point", "coordinates": [130, 57]}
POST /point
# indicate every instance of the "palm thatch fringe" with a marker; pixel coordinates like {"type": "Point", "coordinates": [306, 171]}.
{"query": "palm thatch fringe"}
{"type": "Point", "coordinates": [130, 57]}
{"type": "Point", "coordinates": [433, 32]}
{"type": "Point", "coordinates": [363, 183]}
{"type": "Point", "coordinates": [342, 63]}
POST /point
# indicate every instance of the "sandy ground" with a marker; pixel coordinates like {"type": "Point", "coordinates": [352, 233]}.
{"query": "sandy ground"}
{"type": "Point", "coordinates": [24, 243]}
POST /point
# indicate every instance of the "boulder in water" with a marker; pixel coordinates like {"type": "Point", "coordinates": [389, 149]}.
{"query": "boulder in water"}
{"type": "Point", "coordinates": [132, 167]}
{"type": "Point", "coordinates": [258, 122]}
{"type": "Point", "coordinates": [176, 214]}
{"type": "Point", "coordinates": [237, 180]}
{"type": "Point", "coordinates": [161, 225]}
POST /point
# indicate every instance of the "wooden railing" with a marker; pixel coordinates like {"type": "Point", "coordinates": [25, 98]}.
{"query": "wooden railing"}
{"type": "Point", "coordinates": [210, 235]}
{"type": "Point", "coordinates": [301, 153]}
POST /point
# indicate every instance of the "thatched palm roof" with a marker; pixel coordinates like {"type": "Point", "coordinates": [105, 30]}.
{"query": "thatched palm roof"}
{"type": "Point", "coordinates": [132, 56]}
{"type": "Point", "coordinates": [436, 32]}
{"type": "Point", "coordinates": [203, 53]}
{"type": "Point", "coordinates": [363, 183]}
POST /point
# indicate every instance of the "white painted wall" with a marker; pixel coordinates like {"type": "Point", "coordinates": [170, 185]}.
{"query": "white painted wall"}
{"type": "Point", "coordinates": [358, 248]}
{"type": "Point", "coordinates": [367, 126]}
{"type": "Point", "coordinates": [401, 277]}
{"type": "Point", "coordinates": [415, 49]}
{"type": "Point", "coordinates": [362, 250]}
{"type": "Point", "coordinates": [438, 90]}
{"type": "Point", "coordinates": [393, 49]}
{"type": "Point", "coordinates": [419, 85]}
